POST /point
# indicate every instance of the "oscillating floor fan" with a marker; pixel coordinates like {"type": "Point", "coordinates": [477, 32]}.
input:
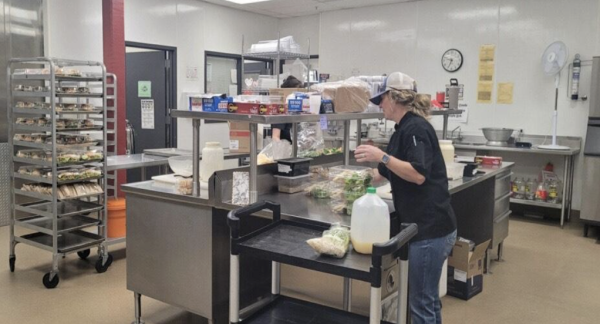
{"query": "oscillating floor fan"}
{"type": "Point", "coordinates": [554, 59]}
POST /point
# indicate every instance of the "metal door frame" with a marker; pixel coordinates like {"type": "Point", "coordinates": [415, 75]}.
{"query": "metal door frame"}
{"type": "Point", "coordinates": [171, 84]}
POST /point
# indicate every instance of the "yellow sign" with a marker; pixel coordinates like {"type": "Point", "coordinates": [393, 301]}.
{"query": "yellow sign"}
{"type": "Point", "coordinates": [505, 93]}
{"type": "Point", "coordinates": [484, 92]}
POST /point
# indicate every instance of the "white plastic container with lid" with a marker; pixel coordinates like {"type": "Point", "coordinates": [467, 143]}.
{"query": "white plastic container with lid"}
{"type": "Point", "coordinates": [370, 222]}
{"type": "Point", "coordinates": [213, 159]}
{"type": "Point", "coordinates": [447, 151]}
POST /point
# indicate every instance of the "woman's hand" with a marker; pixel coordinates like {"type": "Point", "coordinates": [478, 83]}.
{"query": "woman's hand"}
{"type": "Point", "coordinates": [368, 153]}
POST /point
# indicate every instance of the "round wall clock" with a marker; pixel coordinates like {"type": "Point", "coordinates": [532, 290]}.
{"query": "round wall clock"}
{"type": "Point", "coordinates": [452, 60]}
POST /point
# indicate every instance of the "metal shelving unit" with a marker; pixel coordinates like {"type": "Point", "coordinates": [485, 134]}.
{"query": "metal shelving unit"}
{"type": "Point", "coordinates": [276, 57]}
{"type": "Point", "coordinates": [111, 130]}
{"type": "Point", "coordinates": [60, 225]}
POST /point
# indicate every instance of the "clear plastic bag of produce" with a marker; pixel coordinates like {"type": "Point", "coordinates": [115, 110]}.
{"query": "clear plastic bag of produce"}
{"type": "Point", "coordinates": [334, 241]}
{"type": "Point", "coordinates": [352, 182]}
{"type": "Point", "coordinates": [275, 150]}
{"type": "Point", "coordinates": [349, 96]}
{"type": "Point", "coordinates": [310, 140]}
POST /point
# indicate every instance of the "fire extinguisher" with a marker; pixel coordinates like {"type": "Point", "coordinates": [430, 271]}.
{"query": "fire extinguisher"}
{"type": "Point", "coordinates": [576, 74]}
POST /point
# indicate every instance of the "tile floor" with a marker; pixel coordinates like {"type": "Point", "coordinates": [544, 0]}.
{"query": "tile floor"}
{"type": "Point", "coordinates": [548, 276]}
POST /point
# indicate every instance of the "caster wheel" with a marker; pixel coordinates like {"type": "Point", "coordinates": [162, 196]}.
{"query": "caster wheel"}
{"type": "Point", "coordinates": [50, 284]}
{"type": "Point", "coordinates": [102, 268]}
{"type": "Point", "coordinates": [11, 261]}
{"type": "Point", "coordinates": [84, 254]}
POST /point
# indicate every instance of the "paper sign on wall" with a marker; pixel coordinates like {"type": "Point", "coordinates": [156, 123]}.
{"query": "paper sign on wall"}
{"type": "Point", "coordinates": [462, 118]}
{"type": "Point", "coordinates": [505, 93]}
{"type": "Point", "coordinates": [144, 89]}
{"type": "Point", "coordinates": [485, 78]}
{"type": "Point", "coordinates": [484, 92]}
{"type": "Point", "coordinates": [147, 113]}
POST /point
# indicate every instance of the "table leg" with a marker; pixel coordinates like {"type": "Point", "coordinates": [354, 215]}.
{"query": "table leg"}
{"type": "Point", "coordinates": [571, 180]}
{"type": "Point", "coordinates": [138, 308]}
{"type": "Point", "coordinates": [564, 201]}
{"type": "Point", "coordinates": [143, 173]}
{"type": "Point", "coordinates": [347, 303]}
{"type": "Point", "coordinates": [346, 142]}
{"type": "Point", "coordinates": [196, 157]}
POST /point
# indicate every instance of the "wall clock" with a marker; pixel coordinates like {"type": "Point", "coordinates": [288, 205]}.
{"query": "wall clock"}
{"type": "Point", "coordinates": [452, 60]}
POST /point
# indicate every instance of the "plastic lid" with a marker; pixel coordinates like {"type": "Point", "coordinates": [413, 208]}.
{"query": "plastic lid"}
{"type": "Point", "coordinates": [371, 190]}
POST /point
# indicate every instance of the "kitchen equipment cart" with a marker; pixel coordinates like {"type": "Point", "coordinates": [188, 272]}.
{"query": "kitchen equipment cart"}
{"type": "Point", "coordinates": [44, 92]}
{"type": "Point", "coordinates": [284, 241]}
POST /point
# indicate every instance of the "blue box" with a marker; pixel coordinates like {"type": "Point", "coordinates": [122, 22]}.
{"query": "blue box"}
{"type": "Point", "coordinates": [216, 104]}
{"type": "Point", "coordinates": [295, 106]}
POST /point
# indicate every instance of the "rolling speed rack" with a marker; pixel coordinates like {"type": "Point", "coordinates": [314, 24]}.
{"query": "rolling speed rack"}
{"type": "Point", "coordinates": [58, 137]}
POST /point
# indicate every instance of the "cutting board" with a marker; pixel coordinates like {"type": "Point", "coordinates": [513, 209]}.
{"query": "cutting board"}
{"type": "Point", "coordinates": [172, 180]}
{"type": "Point", "coordinates": [385, 192]}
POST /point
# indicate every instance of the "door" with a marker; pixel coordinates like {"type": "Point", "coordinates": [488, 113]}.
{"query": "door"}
{"type": "Point", "coordinates": [147, 84]}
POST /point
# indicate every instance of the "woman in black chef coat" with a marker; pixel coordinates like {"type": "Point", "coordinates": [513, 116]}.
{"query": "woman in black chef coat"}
{"type": "Point", "coordinates": [283, 131]}
{"type": "Point", "coordinates": [414, 165]}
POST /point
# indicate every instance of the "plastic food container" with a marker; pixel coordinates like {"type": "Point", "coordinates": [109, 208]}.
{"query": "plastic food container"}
{"type": "Point", "coordinates": [293, 167]}
{"type": "Point", "coordinates": [293, 184]}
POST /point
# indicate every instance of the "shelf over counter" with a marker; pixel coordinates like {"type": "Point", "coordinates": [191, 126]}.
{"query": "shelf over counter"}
{"type": "Point", "coordinates": [282, 119]}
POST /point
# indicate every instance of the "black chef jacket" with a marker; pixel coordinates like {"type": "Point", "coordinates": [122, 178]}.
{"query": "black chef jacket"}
{"type": "Point", "coordinates": [286, 133]}
{"type": "Point", "coordinates": [428, 204]}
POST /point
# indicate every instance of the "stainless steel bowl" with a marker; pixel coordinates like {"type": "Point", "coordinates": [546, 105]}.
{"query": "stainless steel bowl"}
{"type": "Point", "coordinates": [497, 136]}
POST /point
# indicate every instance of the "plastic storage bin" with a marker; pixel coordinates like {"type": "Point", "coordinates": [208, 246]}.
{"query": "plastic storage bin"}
{"type": "Point", "coordinates": [293, 184]}
{"type": "Point", "coordinates": [293, 167]}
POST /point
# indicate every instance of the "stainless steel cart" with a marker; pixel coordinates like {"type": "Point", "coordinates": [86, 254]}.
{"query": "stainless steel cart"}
{"type": "Point", "coordinates": [49, 91]}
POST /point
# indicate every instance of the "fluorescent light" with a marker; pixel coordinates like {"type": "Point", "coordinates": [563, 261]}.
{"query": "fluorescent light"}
{"type": "Point", "coordinates": [246, 1]}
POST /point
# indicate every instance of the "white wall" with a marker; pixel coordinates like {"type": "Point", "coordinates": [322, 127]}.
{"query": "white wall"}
{"type": "Point", "coordinates": [411, 37]}
{"type": "Point", "coordinates": [303, 28]}
{"type": "Point", "coordinates": [73, 29]}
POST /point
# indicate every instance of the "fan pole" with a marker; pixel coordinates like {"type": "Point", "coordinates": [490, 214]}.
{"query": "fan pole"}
{"type": "Point", "coordinates": [554, 145]}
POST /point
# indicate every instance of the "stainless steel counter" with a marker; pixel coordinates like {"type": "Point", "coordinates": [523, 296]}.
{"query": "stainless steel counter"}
{"type": "Point", "coordinates": [455, 186]}
{"type": "Point", "coordinates": [132, 161]}
{"type": "Point", "coordinates": [169, 152]}
{"type": "Point", "coordinates": [533, 150]}
{"type": "Point", "coordinates": [165, 191]}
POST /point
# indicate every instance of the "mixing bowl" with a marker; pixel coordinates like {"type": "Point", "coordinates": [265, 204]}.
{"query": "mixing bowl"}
{"type": "Point", "coordinates": [497, 136]}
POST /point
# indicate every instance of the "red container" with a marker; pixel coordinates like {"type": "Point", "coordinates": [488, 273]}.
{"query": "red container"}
{"type": "Point", "coordinates": [490, 160]}
{"type": "Point", "coordinates": [257, 109]}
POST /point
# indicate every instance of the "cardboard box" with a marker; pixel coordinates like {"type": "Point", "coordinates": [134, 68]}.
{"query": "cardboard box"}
{"type": "Point", "coordinates": [283, 93]}
{"type": "Point", "coordinates": [239, 137]}
{"type": "Point", "coordinates": [465, 269]}
{"type": "Point", "coordinates": [216, 104]}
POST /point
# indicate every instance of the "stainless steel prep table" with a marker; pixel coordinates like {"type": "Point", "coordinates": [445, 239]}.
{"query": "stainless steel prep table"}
{"type": "Point", "coordinates": [173, 236]}
{"type": "Point", "coordinates": [574, 143]}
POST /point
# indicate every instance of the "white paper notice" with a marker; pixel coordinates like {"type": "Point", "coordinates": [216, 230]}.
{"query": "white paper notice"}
{"type": "Point", "coordinates": [460, 275]}
{"type": "Point", "coordinates": [241, 188]}
{"type": "Point", "coordinates": [147, 113]}
{"type": "Point", "coordinates": [462, 118]}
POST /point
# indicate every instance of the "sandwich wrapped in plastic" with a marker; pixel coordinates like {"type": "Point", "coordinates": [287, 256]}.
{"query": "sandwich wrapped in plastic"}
{"type": "Point", "coordinates": [334, 241]}
{"type": "Point", "coordinates": [348, 96]}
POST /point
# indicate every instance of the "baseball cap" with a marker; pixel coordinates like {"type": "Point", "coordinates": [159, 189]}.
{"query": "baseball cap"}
{"type": "Point", "coordinates": [395, 81]}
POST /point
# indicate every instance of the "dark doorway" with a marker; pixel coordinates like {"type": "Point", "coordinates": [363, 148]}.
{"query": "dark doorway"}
{"type": "Point", "coordinates": [151, 89]}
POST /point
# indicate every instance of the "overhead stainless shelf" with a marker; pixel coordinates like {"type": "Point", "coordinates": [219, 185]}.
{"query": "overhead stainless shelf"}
{"type": "Point", "coordinates": [280, 119]}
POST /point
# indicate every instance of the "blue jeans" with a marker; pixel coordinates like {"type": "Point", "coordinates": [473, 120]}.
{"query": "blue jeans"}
{"type": "Point", "coordinates": [426, 259]}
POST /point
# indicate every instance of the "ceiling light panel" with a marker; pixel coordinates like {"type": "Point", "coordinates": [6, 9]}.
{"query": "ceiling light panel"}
{"type": "Point", "coordinates": [246, 1]}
